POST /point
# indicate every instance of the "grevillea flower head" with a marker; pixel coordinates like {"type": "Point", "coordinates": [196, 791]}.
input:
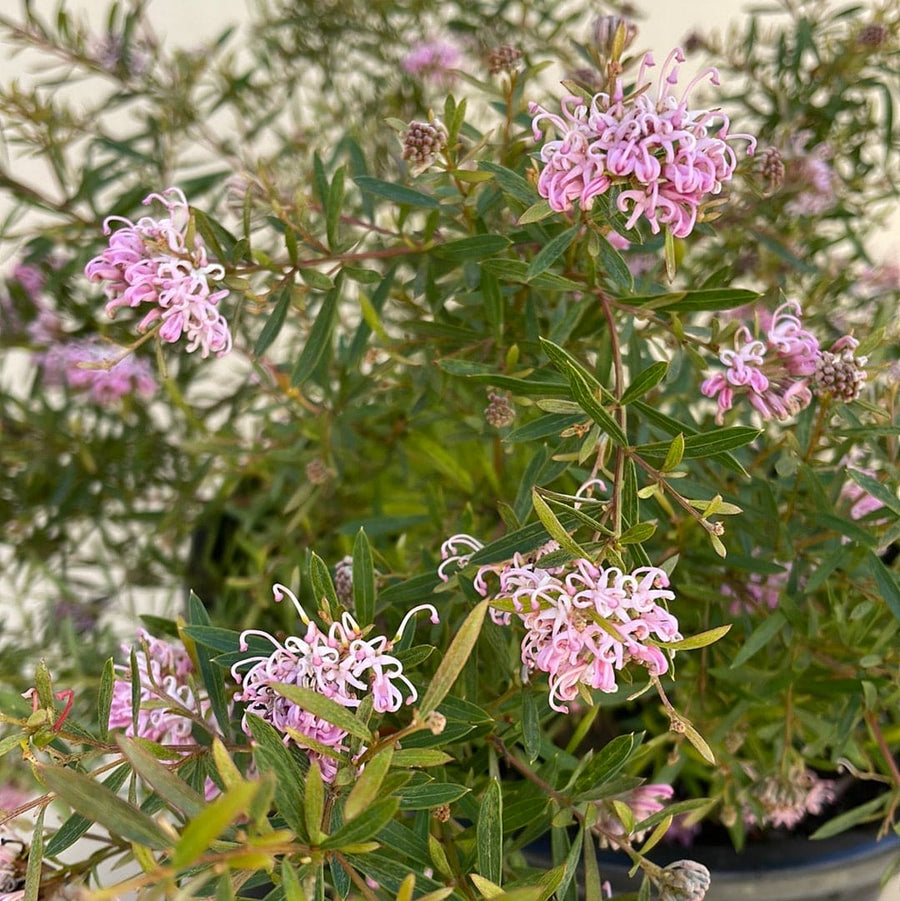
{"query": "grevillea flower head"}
{"type": "Point", "coordinates": [130, 375]}
{"type": "Point", "coordinates": [433, 60]}
{"type": "Point", "coordinates": [341, 664]}
{"type": "Point", "coordinates": [583, 623]}
{"type": "Point", "coordinates": [787, 799]}
{"type": "Point", "coordinates": [149, 264]}
{"type": "Point", "coordinates": [684, 880]}
{"type": "Point", "coordinates": [665, 156]}
{"type": "Point", "coordinates": [423, 142]}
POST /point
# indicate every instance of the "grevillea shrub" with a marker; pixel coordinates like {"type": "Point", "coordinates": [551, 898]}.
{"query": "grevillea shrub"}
{"type": "Point", "coordinates": [554, 386]}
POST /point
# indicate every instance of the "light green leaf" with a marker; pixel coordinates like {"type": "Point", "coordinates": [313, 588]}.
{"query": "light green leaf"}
{"type": "Point", "coordinates": [489, 833]}
{"type": "Point", "coordinates": [554, 526]}
{"type": "Point", "coordinates": [35, 859]}
{"type": "Point", "coordinates": [366, 788]}
{"type": "Point", "coordinates": [368, 824]}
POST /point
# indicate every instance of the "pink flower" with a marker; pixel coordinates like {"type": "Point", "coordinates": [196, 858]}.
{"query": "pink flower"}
{"type": "Point", "coordinates": [758, 593]}
{"type": "Point", "coordinates": [788, 799]}
{"type": "Point", "coordinates": [583, 623]}
{"type": "Point", "coordinates": [644, 801]}
{"type": "Point", "coordinates": [105, 386]}
{"type": "Point", "coordinates": [433, 60]}
{"type": "Point", "coordinates": [666, 156]}
{"type": "Point", "coordinates": [340, 664]}
{"type": "Point", "coordinates": [150, 263]}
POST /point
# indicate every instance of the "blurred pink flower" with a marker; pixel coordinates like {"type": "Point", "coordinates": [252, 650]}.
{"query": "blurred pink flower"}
{"type": "Point", "coordinates": [433, 60]}
{"type": "Point", "coordinates": [150, 263]}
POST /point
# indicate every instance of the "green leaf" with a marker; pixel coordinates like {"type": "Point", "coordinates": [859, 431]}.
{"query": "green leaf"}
{"type": "Point", "coordinates": [406, 758]}
{"type": "Point", "coordinates": [886, 582]}
{"type": "Point", "coordinates": [849, 818]}
{"type": "Point", "coordinates": [104, 697]}
{"type": "Point", "coordinates": [333, 207]}
{"type": "Point", "coordinates": [290, 883]}
{"type": "Point", "coordinates": [593, 888]}
{"type": "Point", "coordinates": [531, 725]}
{"type": "Point", "coordinates": [322, 585]}
{"type": "Point", "coordinates": [434, 794]}
{"type": "Point", "coordinates": [607, 762]}
{"type": "Point", "coordinates": [706, 444]}
{"type": "Point", "coordinates": [396, 193]}
{"type": "Point", "coordinates": [319, 340]}
{"type": "Point", "coordinates": [100, 805]}
{"type": "Point", "coordinates": [554, 527]}
{"type": "Point", "coordinates": [876, 489]}
{"type": "Point", "coordinates": [675, 454]}
{"type": "Point", "coordinates": [517, 271]}
{"type": "Point", "coordinates": [638, 533]}
{"type": "Point", "coordinates": [275, 321]}
{"type": "Point", "coordinates": [585, 389]}
{"type": "Point", "coordinates": [161, 779]}
{"type": "Point", "coordinates": [323, 707]}
{"type": "Point", "coordinates": [760, 637]}
{"type": "Point", "coordinates": [271, 755]}
{"type": "Point", "coordinates": [212, 822]}
{"type": "Point", "coordinates": [708, 299]}
{"type": "Point", "coordinates": [363, 827]}
{"type": "Point", "coordinates": [489, 833]}
{"type": "Point", "coordinates": [454, 660]}
{"type": "Point", "coordinates": [442, 459]}
{"type": "Point", "coordinates": [511, 183]}
{"type": "Point", "coordinates": [367, 785]}
{"type": "Point", "coordinates": [316, 279]}
{"type": "Point", "coordinates": [645, 381]}
{"type": "Point", "coordinates": [212, 675]}
{"type": "Point", "coordinates": [615, 266]}
{"type": "Point", "coordinates": [551, 252]}
{"type": "Point", "coordinates": [477, 247]}
{"type": "Point", "coordinates": [314, 801]}
{"type": "Point", "coordinates": [35, 859]}
{"type": "Point", "coordinates": [536, 212]}
{"type": "Point", "coordinates": [76, 825]}
{"type": "Point", "coordinates": [700, 640]}
{"type": "Point", "coordinates": [363, 580]}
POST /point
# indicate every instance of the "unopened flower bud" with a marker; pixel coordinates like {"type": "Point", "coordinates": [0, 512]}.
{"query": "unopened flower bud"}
{"type": "Point", "coordinates": [684, 880]}
{"type": "Point", "coordinates": [499, 412]}
{"type": "Point", "coordinates": [873, 35]}
{"type": "Point", "coordinates": [771, 166]}
{"type": "Point", "coordinates": [840, 373]}
{"type": "Point", "coordinates": [435, 722]}
{"type": "Point", "coordinates": [317, 471]}
{"type": "Point", "coordinates": [423, 143]}
{"type": "Point", "coordinates": [442, 813]}
{"type": "Point", "coordinates": [343, 581]}
{"type": "Point", "coordinates": [605, 29]}
{"type": "Point", "coordinates": [504, 58]}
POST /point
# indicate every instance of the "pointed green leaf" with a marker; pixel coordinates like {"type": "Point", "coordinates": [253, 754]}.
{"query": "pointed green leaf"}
{"type": "Point", "coordinates": [531, 725]}
{"type": "Point", "coordinates": [434, 794]}
{"type": "Point", "coordinates": [96, 802]}
{"type": "Point", "coordinates": [275, 321]}
{"type": "Point", "coordinates": [551, 251]}
{"type": "Point", "coordinates": [477, 247]}
{"type": "Point", "coordinates": [645, 381]}
{"type": "Point", "coordinates": [212, 675]}
{"type": "Point", "coordinates": [454, 660]}
{"type": "Point", "coordinates": [706, 444]}
{"type": "Point", "coordinates": [700, 640]}
{"type": "Point", "coordinates": [396, 193]}
{"type": "Point", "coordinates": [607, 762]}
{"type": "Point", "coordinates": [161, 779]}
{"type": "Point", "coordinates": [876, 489]}
{"type": "Point", "coordinates": [212, 822]}
{"type": "Point", "coordinates": [322, 585]}
{"type": "Point", "coordinates": [368, 824]}
{"type": "Point", "coordinates": [363, 580]}
{"type": "Point", "coordinates": [319, 340]}
{"type": "Point", "coordinates": [314, 801]}
{"type": "Point", "coordinates": [333, 206]}
{"type": "Point", "coordinates": [886, 582]}
{"type": "Point", "coordinates": [554, 526]}
{"type": "Point", "coordinates": [615, 266]}
{"type": "Point", "coordinates": [35, 860]}
{"type": "Point", "coordinates": [365, 791]}
{"type": "Point", "coordinates": [489, 833]}
{"type": "Point", "coordinates": [290, 883]}
{"type": "Point", "coordinates": [323, 707]}
{"type": "Point", "coordinates": [104, 697]}
{"type": "Point", "coordinates": [760, 637]}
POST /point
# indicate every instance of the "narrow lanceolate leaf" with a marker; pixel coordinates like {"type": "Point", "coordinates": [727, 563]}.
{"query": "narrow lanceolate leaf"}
{"type": "Point", "coordinates": [454, 660]}
{"type": "Point", "coordinates": [367, 825]}
{"type": "Point", "coordinates": [555, 528]}
{"type": "Point", "coordinates": [365, 791]}
{"type": "Point", "coordinates": [593, 887]}
{"type": "Point", "coordinates": [886, 582]}
{"type": "Point", "coordinates": [531, 725]}
{"type": "Point", "coordinates": [876, 489]}
{"type": "Point", "coordinates": [607, 762]}
{"type": "Point", "coordinates": [706, 444]}
{"type": "Point", "coordinates": [322, 584]}
{"type": "Point", "coordinates": [585, 389]}
{"type": "Point", "coordinates": [212, 822]}
{"type": "Point", "coordinates": [100, 805]}
{"type": "Point", "coordinates": [478, 247]}
{"type": "Point", "coordinates": [314, 801]}
{"type": "Point", "coordinates": [615, 266]}
{"type": "Point", "coordinates": [396, 193]}
{"type": "Point", "coordinates": [363, 580]}
{"type": "Point", "coordinates": [551, 251]}
{"type": "Point", "coordinates": [849, 818]}
{"type": "Point", "coordinates": [489, 833]}
{"type": "Point", "coordinates": [645, 381]}
{"type": "Point", "coordinates": [104, 697]}
{"type": "Point", "coordinates": [275, 321]}
{"type": "Point", "coordinates": [323, 707]}
{"type": "Point", "coordinates": [760, 637]}
{"type": "Point", "coordinates": [700, 640]}
{"type": "Point", "coordinates": [161, 779]}
{"type": "Point", "coordinates": [319, 339]}
{"type": "Point", "coordinates": [333, 207]}
{"type": "Point", "coordinates": [212, 675]}
{"type": "Point", "coordinates": [35, 860]}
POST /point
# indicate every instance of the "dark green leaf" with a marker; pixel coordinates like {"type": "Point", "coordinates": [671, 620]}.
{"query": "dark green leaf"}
{"type": "Point", "coordinates": [607, 762]}
{"type": "Point", "coordinates": [363, 580]}
{"type": "Point", "coordinates": [104, 697]}
{"type": "Point", "coordinates": [365, 826]}
{"type": "Point", "coordinates": [886, 582]}
{"type": "Point", "coordinates": [489, 833]}
{"type": "Point", "coordinates": [275, 321]}
{"type": "Point", "coordinates": [319, 339]}
{"type": "Point", "coordinates": [760, 637]}
{"type": "Point", "coordinates": [706, 444]}
{"type": "Point", "coordinates": [645, 381]}
{"type": "Point", "coordinates": [161, 779]}
{"type": "Point", "coordinates": [478, 247]}
{"type": "Point", "coordinates": [511, 183]}
{"type": "Point", "coordinates": [434, 794]}
{"type": "Point", "coordinates": [849, 818]}
{"type": "Point", "coordinates": [694, 301]}
{"type": "Point", "coordinates": [212, 675]}
{"type": "Point", "coordinates": [551, 251]}
{"type": "Point", "coordinates": [396, 193]}
{"type": "Point", "coordinates": [615, 266]}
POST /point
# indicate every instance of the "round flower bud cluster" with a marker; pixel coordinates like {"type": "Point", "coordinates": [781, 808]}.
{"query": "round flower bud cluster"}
{"type": "Point", "coordinates": [771, 167]}
{"type": "Point", "coordinates": [317, 471]}
{"type": "Point", "coordinates": [583, 623]}
{"type": "Point", "coordinates": [684, 880]}
{"type": "Point", "coordinates": [343, 581]}
{"type": "Point", "coordinates": [840, 373]}
{"type": "Point", "coordinates": [874, 35]}
{"type": "Point", "coordinates": [504, 59]}
{"type": "Point", "coordinates": [153, 263]}
{"type": "Point", "coordinates": [499, 413]}
{"type": "Point", "coordinates": [423, 143]}
{"type": "Point", "coordinates": [665, 156]}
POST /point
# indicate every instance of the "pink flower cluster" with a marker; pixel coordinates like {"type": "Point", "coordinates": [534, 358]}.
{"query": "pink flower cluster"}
{"type": "Point", "coordinates": [643, 801]}
{"type": "Point", "coordinates": [167, 695]}
{"type": "Point", "coordinates": [666, 156]}
{"type": "Point", "coordinates": [583, 622]}
{"type": "Point", "coordinates": [61, 364]}
{"type": "Point", "coordinates": [786, 800]}
{"type": "Point", "coordinates": [758, 593]}
{"type": "Point", "coordinates": [433, 60]}
{"type": "Point", "coordinates": [149, 263]}
{"type": "Point", "coordinates": [777, 373]}
{"type": "Point", "coordinates": [341, 665]}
